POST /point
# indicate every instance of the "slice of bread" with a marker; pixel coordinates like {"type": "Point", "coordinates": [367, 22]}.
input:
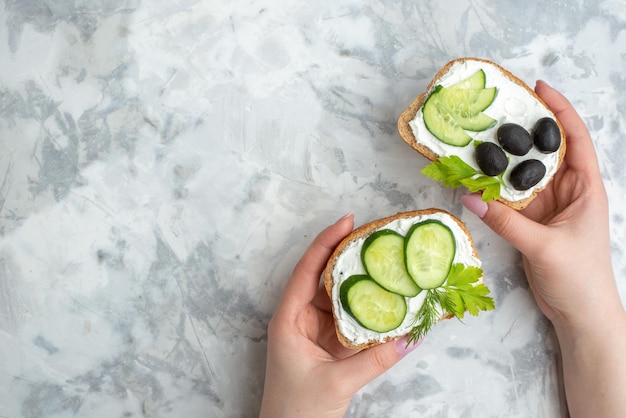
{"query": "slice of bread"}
{"type": "Point", "coordinates": [346, 261]}
{"type": "Point", "coordinates": [515, 103]}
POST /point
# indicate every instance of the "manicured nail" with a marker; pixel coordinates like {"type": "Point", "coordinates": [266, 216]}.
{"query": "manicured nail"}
{"type": "Point", "coordinates": [541, 82]}
{"type": "Point", "coordinates": [347, 215]}
{"type": "Point", "coordinates": [403, 347]}
{"type": "Point", "coordinates": [474, 203]}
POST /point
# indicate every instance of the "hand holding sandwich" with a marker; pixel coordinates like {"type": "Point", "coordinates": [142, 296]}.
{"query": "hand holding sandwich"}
{"type": "Point", "coordinates": [563, 236]}
{"type": "Point", "coordinates": [309, 373]}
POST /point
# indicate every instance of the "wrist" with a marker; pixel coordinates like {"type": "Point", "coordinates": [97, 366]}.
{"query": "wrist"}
{"type": "Point", "coordinates": [593, 368]}
{"type": "Point", "coordinates": [590, 328]}
{"type": "Point", "coordinates": [593, 310]}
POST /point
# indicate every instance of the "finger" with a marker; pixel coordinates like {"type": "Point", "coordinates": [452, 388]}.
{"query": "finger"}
{"type": "Point", "coordinates": [522, 232]}
{"type": "Point", "coordinates": [370, 363]}
{"type": "Point", "coordinates": [302, 286]}
{"type": "Point", "coordinates": [580, 153]}
{"type": "Point", "coordinates": [327, 337]}
{"type": "Point", "coordinates": [321, 300]}
{"type": "Point", "coordinates": [327, 334]}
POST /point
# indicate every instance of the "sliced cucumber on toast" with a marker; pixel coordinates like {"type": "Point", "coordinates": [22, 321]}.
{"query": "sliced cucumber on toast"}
{"type": "Point", "coordinates": [383, 259]}
{"type": "Point", "coordinates": [442, 124]}
{"type": "Point", "coordinates": [466, 102]}
{"type": "Point", "coordinates": [478, 80]}
{"type": "Point", "coordinates": [450, 111]}
{"type": "Point", "coordinates": [370, 305]}
{"type": "Point", "coordinates": [476, 123]}
{"type": "Point", "coordinates": [429, 250]}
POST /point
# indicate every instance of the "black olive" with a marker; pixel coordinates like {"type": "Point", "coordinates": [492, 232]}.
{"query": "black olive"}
{"type": "Point", "coordinates": [527, 174]}
{"type": "Point", "coordinates": [546, 135]}
{"type": "Point", "coordinates": [514, 139]}
{"type": "Point", "coordinates": [491, 159]}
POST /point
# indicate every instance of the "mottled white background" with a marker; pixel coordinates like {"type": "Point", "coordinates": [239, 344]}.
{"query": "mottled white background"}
{"type": "Point", "coordinates": [164, 164]}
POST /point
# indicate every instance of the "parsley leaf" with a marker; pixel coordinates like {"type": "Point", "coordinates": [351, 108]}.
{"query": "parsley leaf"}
{"type": "Point", "coordinates": [489, 185]}
{"type": "Point", "coordinates": [460, 292]}
{"type": "Point", "coordinates": [462, 276]}
{"type": "Point", "coordinates": [468, 295]}
{"type": "Point", "coordinates": [452, 171]}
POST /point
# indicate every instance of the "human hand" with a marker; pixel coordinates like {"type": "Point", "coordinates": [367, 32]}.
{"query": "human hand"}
{"type": "Point", "coordinates": [309, 372]}
{"type": "Point", "coordinates": [563, 234]}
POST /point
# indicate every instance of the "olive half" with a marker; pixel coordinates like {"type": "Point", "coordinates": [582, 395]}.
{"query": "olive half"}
{"type": "Point", "coordinates": [546, 135]}
{"type": "Point", "coordinates": [527, 174]}
{"type": "Point", "coordinates": [491, 159]}
{"type": "Point", "coordinates": [514, 139]}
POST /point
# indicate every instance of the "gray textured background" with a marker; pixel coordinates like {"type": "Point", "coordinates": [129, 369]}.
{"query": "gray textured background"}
{"type": "Point", "coordinates": [163, 165]}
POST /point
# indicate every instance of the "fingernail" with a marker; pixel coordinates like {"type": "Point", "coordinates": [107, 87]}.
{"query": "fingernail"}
{"type": "Point", "coordinates": [347, 215]}
{"type": "Point", "coordinates": [404, 347]}
{"type": "Point", "coordinates": [474, 203]}
{"type": "Point", "coordinates": [541, 82]}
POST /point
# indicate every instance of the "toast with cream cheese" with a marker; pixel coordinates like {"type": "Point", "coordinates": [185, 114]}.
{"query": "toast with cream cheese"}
{"type": "Point", "coordinates": [451, 101]}
{"type": "Point", "coordinates": [377, 257]}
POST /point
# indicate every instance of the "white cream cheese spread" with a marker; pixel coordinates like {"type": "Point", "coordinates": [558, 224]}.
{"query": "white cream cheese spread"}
{"type": "Point", "coordinates": [349, 263]}
{"type": "Point", "coordinates": [513, 104]}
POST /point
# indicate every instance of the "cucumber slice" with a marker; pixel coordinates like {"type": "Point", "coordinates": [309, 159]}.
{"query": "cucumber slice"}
{"type": "Point", "coordinates": [477, 123]}
{"type": "Point", "coordinates": [466, 102]}
{"type": "Point", "coordinates": [442, 124]}
{"type": "Point", "coordinates": [383, 258]}
{"type": "Point", "coordinates": [429, 251]}
{"type": "Point", "coordinates": [475, 81]}
{"type": "Point", "coordinates": [370, 305]}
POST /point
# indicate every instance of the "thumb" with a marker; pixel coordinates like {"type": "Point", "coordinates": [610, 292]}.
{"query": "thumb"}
{"type": "Point", "coordinates": [521, 232]}
{"type": "Point", "coordinates": [363, 367]}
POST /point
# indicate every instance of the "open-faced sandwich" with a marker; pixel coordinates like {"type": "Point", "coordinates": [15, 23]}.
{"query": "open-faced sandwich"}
{"type": "Point", "coordinates": [485, 129]}
{"type": "Point", "coordinates": [401, 275]}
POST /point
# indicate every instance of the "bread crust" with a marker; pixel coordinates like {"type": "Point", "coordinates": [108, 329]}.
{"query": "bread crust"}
{"type": "Point", "coordinates": [363, 232]}
{"type": "Point", "coordinates": [406, 133]}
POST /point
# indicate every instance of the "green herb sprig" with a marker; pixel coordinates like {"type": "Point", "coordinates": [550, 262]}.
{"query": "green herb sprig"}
{"type": "Point", "coordinates": [460, 293]}
{"type": "Point", "coordinates": [452, 171]}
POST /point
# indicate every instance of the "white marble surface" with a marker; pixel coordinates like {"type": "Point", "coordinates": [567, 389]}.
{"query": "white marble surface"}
{"type": "Point", "coordinates": [164, 164]}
